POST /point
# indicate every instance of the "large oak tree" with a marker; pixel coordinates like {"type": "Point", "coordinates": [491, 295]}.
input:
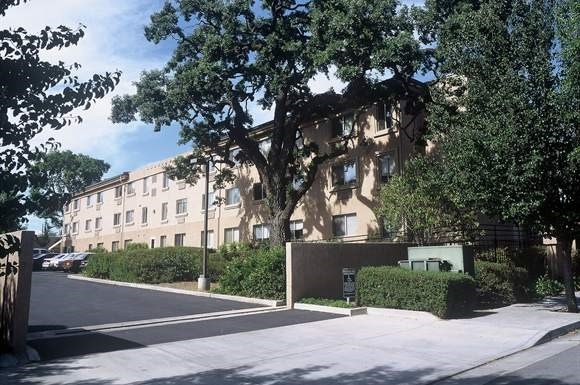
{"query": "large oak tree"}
{"type": "Point", "coordinates": [232, 54]}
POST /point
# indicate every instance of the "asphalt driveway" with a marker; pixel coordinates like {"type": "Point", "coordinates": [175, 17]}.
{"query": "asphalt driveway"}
{"type": "Point", "coordinates": [74, 318]}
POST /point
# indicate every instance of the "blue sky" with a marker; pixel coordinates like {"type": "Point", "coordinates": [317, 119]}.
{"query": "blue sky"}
{"type": "Point", "coordinates": [114, 40]}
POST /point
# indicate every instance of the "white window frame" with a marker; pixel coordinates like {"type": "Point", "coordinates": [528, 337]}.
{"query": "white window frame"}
{"type": "Point", "coordinates": [98, 223]}
{"type": "Point", "coordinates": [118, 192]}
{"type": "Point", "coordinates": [88, 223]}
{"type": "Point", "coordinates": [211, 204]}
{"type": "Point", "coordinates": [100, 197]}
{"type": "Point", "coordinates": [146, 185]}
{"type": "Point", "coordinates": [144, 215]}
{"type": "Point", "coordinates": [181, 206]}
{"type": "Point", "coordinates": [117, 219]}
{"type": "Point", "coordinates": [296, 225]}
{"type": "Point", "coordinates": [391, 166]}
{"type": "Point", "coordinates": [261, 232]}
{"type": "Point", "coordinates": [89, 200]}
{"type": "Point", "coordinates": [340, 172]}
{"type": "Point", "coordinates": [181, 237]}
{"type": "Point", "coordinates": [230, 191]}
{"type": "Point", "coordinates": [349, 225]}
{"type": "Point", "coordinates": [129, 217]}
{"type": "Point", "coordinates": [234, 235]}
{"type": "Point", "coordinates": [164, 210]}
{"type": "Point", "coordinates": [258, 191]}
{"type": "Point", "coordinates": [210, 239]}
{"type": "Point", "coordinates": [131, 188]}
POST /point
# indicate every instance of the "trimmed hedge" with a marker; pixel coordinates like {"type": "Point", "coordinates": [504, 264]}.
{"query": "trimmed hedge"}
{"type": "Point", "coordinates": [167, 264]}
{"type": "Point", "coordinates": [259, 273]}
{"type": "Point", "coordinates": [501, 283]}
{"type": "Point", "coordinates": [446, 295]}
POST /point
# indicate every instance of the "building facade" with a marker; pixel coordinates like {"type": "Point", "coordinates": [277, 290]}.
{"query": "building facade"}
{"type": "Point", "coordinates": [145, 206]}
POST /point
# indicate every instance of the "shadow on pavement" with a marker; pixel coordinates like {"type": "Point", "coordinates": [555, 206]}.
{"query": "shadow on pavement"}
{"type": "Point", "coordinates": [43, 328]}
{"type": "Point", "coordinates": [248, 375]}
{"type": "Point", "coordinates": [71, 346]}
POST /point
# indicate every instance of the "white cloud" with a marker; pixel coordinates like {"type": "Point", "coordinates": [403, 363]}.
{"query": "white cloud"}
{"type": "Point", "coordinates": [113, 41]}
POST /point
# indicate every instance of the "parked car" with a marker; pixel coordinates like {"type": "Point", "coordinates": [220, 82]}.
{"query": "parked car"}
{"type": "Point", "coordinates": [50, 263]}
{"type": "Point", "coordinates": [76, 263]}
{"type": "Point", "coordinates": [38, 259]}
{"type": "Point", "coordinates": [38, 251]}
{"type": "Point", "coordinates": [59, 263]}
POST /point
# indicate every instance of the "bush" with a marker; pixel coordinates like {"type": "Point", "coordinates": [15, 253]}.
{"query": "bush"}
{"type": "Point", "coordinates": [257, 273]}
{"type": "Point", "coordinates": [446, 295]}
{"type": "Point", "coordinates": [168, 264]}
{"type": "Point", "coordinates": [500, 283]}
{"type": "Point", "coordinates": [547, 287]}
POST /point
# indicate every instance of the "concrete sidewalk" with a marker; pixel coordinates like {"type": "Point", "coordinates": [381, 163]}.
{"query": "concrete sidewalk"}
{"type": "Point", "coordinates": [401, 348]}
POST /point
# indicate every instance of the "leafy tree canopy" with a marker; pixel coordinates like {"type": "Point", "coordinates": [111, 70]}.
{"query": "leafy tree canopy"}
{"type": "Point", "coordinates": [35, 96]}
{"type": "Point", "coordinates": [505, 112]}
{"type": "Point", "coordinates": [56, 176]}
{"type": "Point", "coordinates": [231, 54]}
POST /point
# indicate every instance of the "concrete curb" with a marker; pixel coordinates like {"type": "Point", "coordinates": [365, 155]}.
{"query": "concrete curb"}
{"type": "Point", "coordinates": [558, 332]}
{"type": "Point", "coordinates": [412, 314]}
{"type": "Point", "coordinates": [331, 309]}
{"type": "Point", "coordinates": [258, 301]}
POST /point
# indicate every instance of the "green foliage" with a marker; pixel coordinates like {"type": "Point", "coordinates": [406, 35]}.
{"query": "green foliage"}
{"type": "Point", "coordinates": [259, 273]}
{"type": "Point", "coordinates": [445, 295]}
{"type": "Point", "coordinates": [168, 264]}
{"type": "Point", "coordinates": [420, 202]}
{"type": "Point", "coordinates": [136, 246]}
{"type": "Point", "coordinates": [36, 96]}
{"type": "Point", "coordinates": [501, 283]}
{"type": "Point", "coordinates": [229, 251]}
{"type": "Point", "coordinates": [547, 287]}
{"type": "Point", "coordinates": [505, 112]}
{"type": "Point", "coordinates": [327, 302]}
{"type": "Point", "coordinates": [531, 258]}
{"type": "Point", "coordinates": [56, 176]}
{"type": "Point", "coordinates": [234, 53]}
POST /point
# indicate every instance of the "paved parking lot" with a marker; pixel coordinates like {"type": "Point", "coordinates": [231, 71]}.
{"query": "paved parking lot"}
{"type": "Point", "coordinates": [71, 318]}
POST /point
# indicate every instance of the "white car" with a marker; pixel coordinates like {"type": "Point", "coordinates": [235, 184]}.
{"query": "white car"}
{"type": "Point", "coordinates": [52, 263]}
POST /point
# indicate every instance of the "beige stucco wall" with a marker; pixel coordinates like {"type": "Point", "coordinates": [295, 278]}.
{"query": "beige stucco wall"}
{"type": "Point", "coordinates": [316, 208]}
{"type": "Point", "coordinates": [315, 269]}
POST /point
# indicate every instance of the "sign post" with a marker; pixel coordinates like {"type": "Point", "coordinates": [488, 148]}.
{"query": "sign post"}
{"type": "Point", "coordinates": [348, 283]}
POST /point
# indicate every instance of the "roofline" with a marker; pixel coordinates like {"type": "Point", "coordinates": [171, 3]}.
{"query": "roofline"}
{"type": "Point", "coordinates": [104, 183]}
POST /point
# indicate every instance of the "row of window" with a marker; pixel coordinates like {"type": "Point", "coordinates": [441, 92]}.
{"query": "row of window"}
{"type": "Point", "coordinates": [345, 173]}
{"type": "Point", "coordinates": [345, 124]}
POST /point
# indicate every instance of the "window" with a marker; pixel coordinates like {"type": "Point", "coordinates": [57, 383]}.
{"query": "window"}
{"type": "Point", "coordinates": [145, 185]}
{"type": "Point", "coordinates": [210, 239]}
{"type": "Point", "coordinates": [90, 246]}
{"type": "Point", "coordinates": [165, 180]}
{"type": "Point", "coordinates": [76, 204]}
{"type": "Point", "coordinates": [67, 207]}
{"type": "Point", "coordinates": [88, 223]}
{"type": "Point", "coordinates": [211, 202]}
{"type": "Point", "coordinates": [143, 214]}
{"type": "Point", "coordinates": [100, 245]}
{"type": "Point", "coordinates": [234, 156]}
{"type": "Point", "coordinates": [385, 116]}
{"type": "Point", "coordinates": [163, 241]}
{"type": "Point", "coordinates": [387, 167]}
{"type": "Point", "coordinates": [164, 209]}
{"type": "Point", "coordinates": [89, 200]}
{"type": "Point", "coordinates": [98, 223]}
{"type": "Point", "coordinates": [297, 229]}
{"type": "Point", "coordinates": [231, 235]}
{"type": "Point", "coordinates": [343, 126]}
{"type": "Point", "coordinates": [117, 219]}
{"type": "Point", "coordinates": [181, 206]}
{"type": "Point", "coordinates": [100, 197]}
{"type": "Point", "coordinates": [261, 232]}
{"type": "Point", "coordinates": [153, 179]}
{"type": "Point", "coordinates": [130, 188]}
{"type": "Point", "coordinates": [179, 239]}
{"type": "Point", "coordinates": [265, 145]}
{"type": "Point", "coordinates": [118, 191]}
{"type": "Point", "coordinates": [344, 225]}
{"type": "Point", "coordinates": [127, 243]}
{"type": "Point", "coordinates": [66, 229]}
{"type": "Point", "coordinates": [259, 192]}
{"type": "Point", "coordinates": [129, 216]}
{"type": "Point", "coordinates": [115, 246]}
{"type": "Point", "coordinates": [344, 173]}
{"type": "Point", "coordinates": [75, 227]}
{"type": "Point", "coordinates": [232, 196]}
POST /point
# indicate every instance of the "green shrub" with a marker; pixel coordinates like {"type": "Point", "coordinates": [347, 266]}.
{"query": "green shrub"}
{"type": "Point", "coordinates": [136, 246]}
{"type": "Point", "coordinates": [229, 251]}
{"type": "Point", "coordinates": [327, 302]}
{"type": "Point", "coordinates": [256, 273]}
{"type": "Point", "coordinates": [500, 283]}
{"type": "Point", "coordinates": [446, 295]}
{"type": "Point", "coordinates": [547, 287]}
{"type": "Point", "coordinates": [168, 264]}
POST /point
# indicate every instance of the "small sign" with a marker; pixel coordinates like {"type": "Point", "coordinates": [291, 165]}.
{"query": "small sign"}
{"type": "Point", "coordinates": [348, 282]}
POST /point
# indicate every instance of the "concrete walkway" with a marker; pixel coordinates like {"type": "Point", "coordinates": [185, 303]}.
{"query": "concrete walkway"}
{"type": "Point", "coordinates": [401, 348]}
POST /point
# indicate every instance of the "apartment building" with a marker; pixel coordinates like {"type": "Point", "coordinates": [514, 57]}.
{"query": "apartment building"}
{"type": "Point", "coordinates": [145, 206]}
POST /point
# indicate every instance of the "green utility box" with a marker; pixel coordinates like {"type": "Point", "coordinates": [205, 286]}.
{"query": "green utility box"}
{"type": "Point", "coordinates": [460, 257]}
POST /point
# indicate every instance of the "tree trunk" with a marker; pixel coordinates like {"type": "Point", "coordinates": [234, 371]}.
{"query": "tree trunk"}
{"type": "Point", "coordinates": [279, 229]}
{"type": "Point", "coordinates": [566, 263]}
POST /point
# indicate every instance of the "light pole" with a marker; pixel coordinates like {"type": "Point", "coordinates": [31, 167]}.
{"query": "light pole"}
{"type": "Point", "coordinates": [203, 280]}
